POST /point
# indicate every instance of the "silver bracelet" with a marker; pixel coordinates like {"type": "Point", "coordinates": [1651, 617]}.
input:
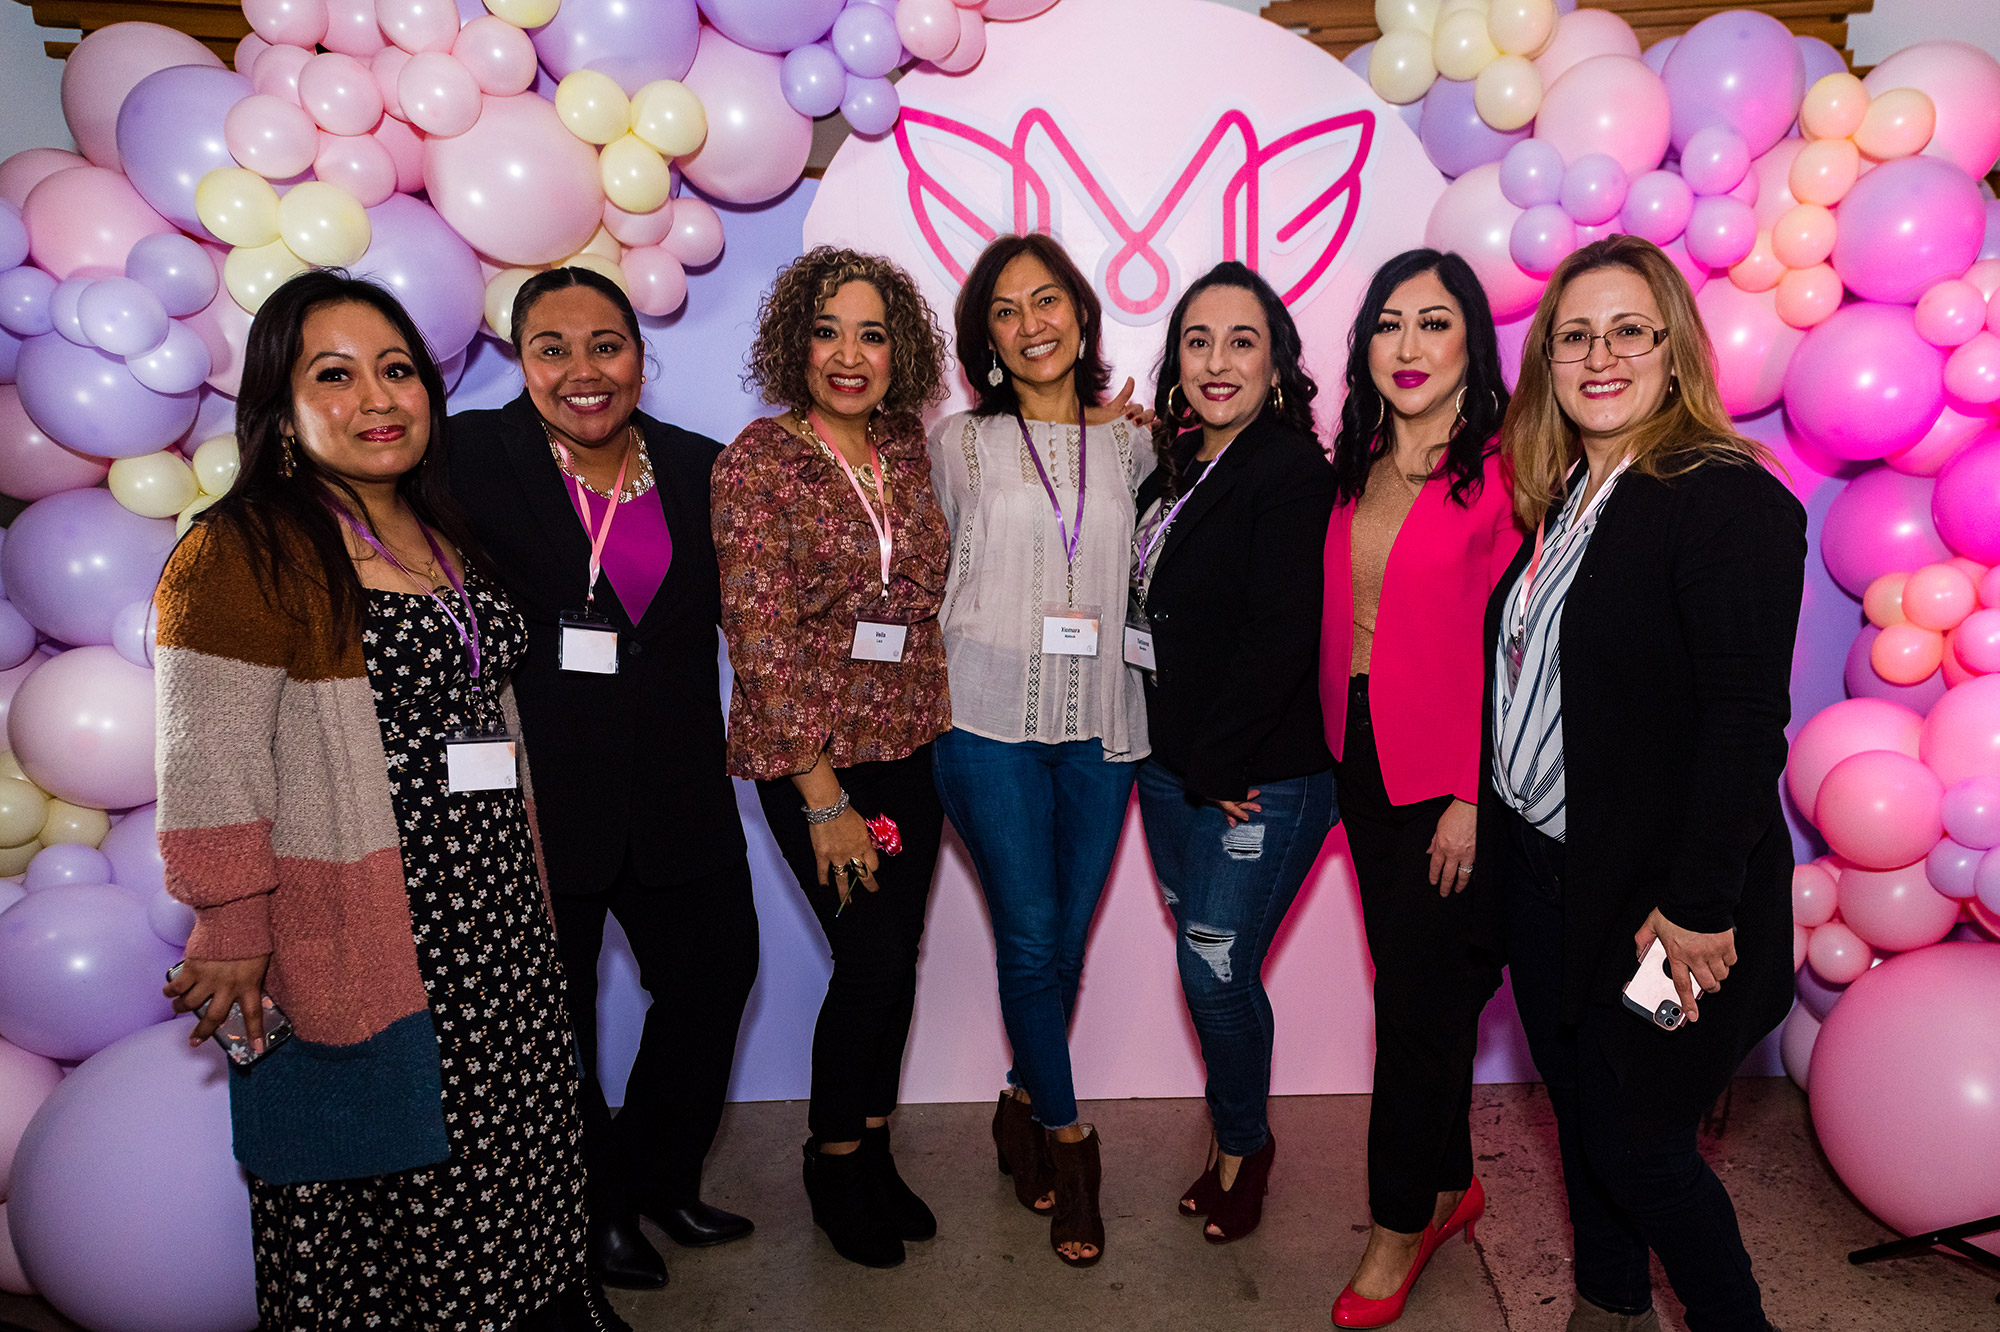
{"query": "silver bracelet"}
{"type": "Point", "coordinates": [815, 817]}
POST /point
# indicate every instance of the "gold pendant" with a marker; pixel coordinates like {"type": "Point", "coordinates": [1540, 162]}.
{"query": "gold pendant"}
{"type": "Point", "coordinates": [868, 478]}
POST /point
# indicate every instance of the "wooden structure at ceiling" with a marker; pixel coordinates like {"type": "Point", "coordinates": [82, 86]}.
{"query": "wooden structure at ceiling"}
{"type": "Point", "coordinates": [1342, 25]}
{"type": "Point", "coordinates": [216, 24]}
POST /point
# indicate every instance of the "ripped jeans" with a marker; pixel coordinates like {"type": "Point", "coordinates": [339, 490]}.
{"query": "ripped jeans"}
{"type": "Point", "coordinates": [1229, 889]}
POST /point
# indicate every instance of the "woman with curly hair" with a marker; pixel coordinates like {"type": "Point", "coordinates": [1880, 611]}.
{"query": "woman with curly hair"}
{"type": "Point", "coordinates": [833, 554]}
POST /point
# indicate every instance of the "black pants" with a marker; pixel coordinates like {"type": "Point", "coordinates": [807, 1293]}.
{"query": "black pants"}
{"type": "Point", "coordinates": [1625, 1196]}
{"type": "Point", "coordinates": [696, 945]}
{"type": "Point", "coordinates": [857, 1056]}
{"type": "Point", "coordinates": [1430, 986]}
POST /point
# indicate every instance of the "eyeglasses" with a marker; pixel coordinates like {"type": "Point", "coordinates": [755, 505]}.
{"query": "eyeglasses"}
{"type": "Point", "coordinates": [1624, 342]}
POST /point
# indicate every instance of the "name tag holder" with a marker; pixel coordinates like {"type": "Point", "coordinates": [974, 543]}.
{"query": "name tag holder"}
{"type": "Point", "coordinates": [587, 644]}
{"type": "Point", "coordinates": [880, 633]}
{"type": "Point", "coordinates": [1070, 630]}
{"type": "Point", "coordinates": [481, 763]}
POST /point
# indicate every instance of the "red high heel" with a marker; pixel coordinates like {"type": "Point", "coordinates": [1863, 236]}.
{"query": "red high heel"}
{"type": "Point", "coordinates": [1352, 1310]}
{"type": "Point", "coordinates": [1463, 1217]}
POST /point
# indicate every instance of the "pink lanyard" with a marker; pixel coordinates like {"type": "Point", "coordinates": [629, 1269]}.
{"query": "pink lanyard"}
{"type": "Point", "coordinates": [1072, 537]}
{"type": "Point", "coordinates": [884, 525]}
{"type": "Point", "coordinates": [603, 533]}
{"type": "Point", "coordinates": [467, 627]}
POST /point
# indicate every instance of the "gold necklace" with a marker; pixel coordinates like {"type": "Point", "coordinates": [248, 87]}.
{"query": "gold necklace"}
{"type": "Point", "coordinates": [866, 471]}
{"type": "Point", "coordinates": [637, 486]}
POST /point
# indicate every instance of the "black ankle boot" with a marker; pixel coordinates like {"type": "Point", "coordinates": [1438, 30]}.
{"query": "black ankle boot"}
{"type": "Point", "coordinates": [582, 1307]}
{"type": "Point", "coordinates": [846, 1205]}
{"type": "Point", "coordinates": [906, 1213]}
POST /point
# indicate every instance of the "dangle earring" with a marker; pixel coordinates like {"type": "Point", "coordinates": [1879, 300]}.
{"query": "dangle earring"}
{"type": "Point", "coordinates": [1278, 395]}
{"type": "Point", "coordinates": [997, 375]}
{"type": "Point", "coordinates": [286, 463]}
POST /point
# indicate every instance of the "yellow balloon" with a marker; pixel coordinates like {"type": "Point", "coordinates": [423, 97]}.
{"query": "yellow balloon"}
{"type": "Point", "coordinates": [1406, 15]}
{"type": "Point", "coordinates": [1460, 47]}
{"type": "Point", "coordinates": [606, 244]}
{"type": "Point", "coordinates": [1400, 68]}
{"type": "Point", "coordinates": [253, 274]}
{"type": "Point", "coordinates": [77, 825]}
{"type": "Point", "coordinates": [154, 485]}
{"type": "Point", "coordinates": [523, 13]}
{"type": "Point", "coordinates": [669, 116]}
{"type": "Point", "coordinates": [323, 224]}
{"type": "Point", "coordinates": [597, 263]}
{"type": "Point", "coordinates": [634, 175]}
{"type": "Point", "coordinates": [1447, 7]}
{"type": "Point", "coordinates": [23, 809]}
{"type": "Point", "coordinates": [14, 859]}
{"type": "Point", "coordinates": [500, 294]}
{"type": "Point", "coordinates": [186, 518]}
{"type": "Point", "coordinates": [238, 205]}
{"type": "Point", "coordinates": [216, 462]}
{"type": "Point", "coordinates": [11, 767]}
{"type": "Point", "coordinates": [593, 105]}
{"type": "Point", "coordinates": [1508, 92]}
{"type": "Point", "coordinates": [1521, 27]}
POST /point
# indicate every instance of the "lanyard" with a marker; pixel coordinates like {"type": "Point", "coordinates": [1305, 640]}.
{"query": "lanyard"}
{"type": "Point", "coordinates": [603, 532]}
{"type": "Point", "coordinates": [468, 626]}
{"type": "Point", "coordinates": [1072, 537]}
{"type": "Point", "coordinates": [884, 524]}
{"type": "Point", "coordinates": [1158, 532]}
{"type": "Point", "coordinates": [1541, 531]}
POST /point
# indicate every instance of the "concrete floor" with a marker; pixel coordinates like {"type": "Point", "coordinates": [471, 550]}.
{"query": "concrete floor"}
{"type": "Point", "coordinates": [991, 1270]}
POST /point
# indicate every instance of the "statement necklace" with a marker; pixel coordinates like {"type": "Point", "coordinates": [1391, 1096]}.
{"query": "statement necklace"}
{"type": "Point", "coordinates": [637, 486]}
{"type": "Point", "coordinates": [866, 471]}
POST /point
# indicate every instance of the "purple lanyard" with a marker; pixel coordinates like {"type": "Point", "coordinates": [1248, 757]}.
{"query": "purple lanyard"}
{"type": "Point", "coordinates": [468, 627]}
{"type": "Point", "coordinates": [1158, 531]}
{"type": "Point", "coordinates": [1072, 538]}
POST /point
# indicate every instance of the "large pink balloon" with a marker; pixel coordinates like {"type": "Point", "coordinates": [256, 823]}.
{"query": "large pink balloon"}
{"type": "Point", "coordinates": [1850, 727]}
{"type": "Point", "coordinates": [224, 328]}
{"type": "Point", "coordinates": [1581, 35]}
{"type": "Point", "coordinates": [1963, 83]}
{"type": "Point", "coordinates": [1895, 909]}
{"type": "Point", "coordinates": [33, 466]}
{"type": "Point", "coordinates": [1961, 735]}
{"type": "Point", "coordinates": [757, 144]}
{"type": "Point", "coordinates": [108, 64]}
{"type": "Point", "coordinates": [518, 185]}
{"type": "Point", "coordinates": [1880, 809]}
{"type": "Point", "coordinates": [1902, 1088]}
{"type": "Point", "coordinates": [30, 167]}
{"type": "Point", "coordinates": [26, 1079]}
{"type": "Point", "coordinates": [1863, 384]}
{"type": "Point", "coordinates": [1906, 225]}
{"type": "Point", "coordinates": [1966, 505]}
{"type": "Point", "coordinates": [1881, 523]}
{"type": "Point", "coordinates": [82, 729]}
{"type": "Point", "coordinates": [1473, 218]}
{"type": "Point", "coordinates": [1752, 345]}
{"type": "Point", "coordinates": [1954, 432]}
{"type": "Point", "coordinates": [1608, 104]}
{"type": "Point", "coordinates": [88, 218]}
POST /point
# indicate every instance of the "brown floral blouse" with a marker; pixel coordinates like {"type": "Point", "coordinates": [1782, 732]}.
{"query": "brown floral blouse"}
{"type": "Point", "coordinates": [800, 564]}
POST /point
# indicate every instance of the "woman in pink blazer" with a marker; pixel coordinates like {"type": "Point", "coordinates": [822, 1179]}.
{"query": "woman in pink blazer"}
{"type": "Point", "coordinates": [1423, 528]}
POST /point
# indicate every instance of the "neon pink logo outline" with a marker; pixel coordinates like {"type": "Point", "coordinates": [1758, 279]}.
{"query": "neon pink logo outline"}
{"type": "Point", "coordinates": [1242, 194]}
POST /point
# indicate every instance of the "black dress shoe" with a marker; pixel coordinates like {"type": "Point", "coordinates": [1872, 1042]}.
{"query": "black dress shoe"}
{"type": "Point", "coordinates": [622, 1256]}
{"type": "Point", "coordinates": [697, 1225]}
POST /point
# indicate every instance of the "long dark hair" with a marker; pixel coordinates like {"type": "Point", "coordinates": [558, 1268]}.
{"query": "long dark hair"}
{"type": "Point", "coordinates": [558, 279]}
{"type": "Point", "coordinates": [1367, 429]}
{"type": "Point", "coordinates": [1290, 402]}
{"type": "Point", "coordinates": [974, 343]}
{"type": "Point", "coordinates": [274, 512]}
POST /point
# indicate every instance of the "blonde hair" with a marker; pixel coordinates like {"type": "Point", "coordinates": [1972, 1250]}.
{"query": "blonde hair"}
{"type": "Point", "coordinates": [1540, 443]}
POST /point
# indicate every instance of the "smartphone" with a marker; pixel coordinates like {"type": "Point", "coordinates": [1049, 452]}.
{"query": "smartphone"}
{"type": "Point", "coordinates": [232, 1035]}
{"type": "Point", "coordinates": [1651, 993]}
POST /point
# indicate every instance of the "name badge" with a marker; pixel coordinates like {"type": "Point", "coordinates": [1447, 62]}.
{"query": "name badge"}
{"type": "Point", "coordinates": [589, 646]}
{"type": "Point", "coordinates": [875, 641]}
{"type": "Point", "coordinates": [1139, 649]}
{"type": "Point", "coordinates": [1069, 631]}
{"type": "Point", "coordinates": [481, 763]}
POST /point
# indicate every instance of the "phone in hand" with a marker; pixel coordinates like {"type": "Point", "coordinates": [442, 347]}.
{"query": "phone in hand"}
{"type": "Point", "coordinates": [1651, 993]}
{"type": "Point", "coordinates": [233, 1036]}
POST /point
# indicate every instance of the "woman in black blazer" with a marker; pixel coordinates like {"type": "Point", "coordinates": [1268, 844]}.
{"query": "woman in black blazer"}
{"type": "Point", "coordinates": [1237, 796]}
{"type": "Point", "coordinates": [1639, 657]}
{"type": "Point", "coordinates": [620, 699]}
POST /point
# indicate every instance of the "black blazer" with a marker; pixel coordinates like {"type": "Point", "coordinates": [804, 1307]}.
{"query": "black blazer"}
{"type": "Point", "coordinates": [1235, 607]}
{"type": "Point", "coordinates": [626, 762]}
{"type": "Point", "coordinates": [1676, 676]}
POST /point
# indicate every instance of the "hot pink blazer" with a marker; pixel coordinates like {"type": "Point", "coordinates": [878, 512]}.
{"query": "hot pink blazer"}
{"type": "Point", "coordinates": [1427, 668]}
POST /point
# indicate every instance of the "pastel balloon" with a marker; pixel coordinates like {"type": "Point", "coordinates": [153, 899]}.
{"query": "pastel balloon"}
{"type": "Point", "coordinates": [25, 293]}
{"type": "Point", "coordinates": [592, 106]}
{"type": "Point", "coordinates": [1803, 236]}
{"type": "Point", "coordinates": [756, 144]}
{"type": "Point", "coordinates": [1904, 654]}
{"type": "Point", "coordinates": [1963, 84]}
{"type": "Point", "coordinates": [1833, 107]}
{"type": "Point", "coordinates": [1542, 237]}
{"type": "Point", "coordinates": [1508, 92]}
{"type": "Point", "coordinates": [340, 93]}
{"type": "Point", "coordinates": [517, 186]}
{"type": "Point", "coordinates": [1854, 726]}
{"type": "Point", "coordinates": [1772, 173]}
{"type": "Point", "coordinates": [1971, 811]}
{"type": "Point", "coordinates": [405, 149]}
{"type": "Point", "coordinates": [89, 401]}
{"type": "Point", "coordinates": [1809, 297]}
{"type": "Point", "coordinates": [1400, 68]}
{"type": "Point", "coordinates": [1760, 270]}
{"type": "Point", "coordinates": [870, 105]}
{"type": "Point", "coordinates": [17, 636]}
{"type": "Point", "coordinates": [1897, 909]}
{"type": "Point", "coordinates": [82, 728]}
{"type": "Point", "coordinates": [1882, 603]}
{"type": "Point", "coordinates": [634, 176]}
{"type": "Point", "coordinates": [239, 206]}
{"type": "Point", "coordinates": [271, 136]}
{"type": "Point", "coordinates": [971, 46]}
{"type": "Point", "coordinates": [1863, 384]}
{"type": "Point", "coordinates": [1531, 173]}
{"type": "Point", "coordinates": [121, 316]}
{"type": "Point", "coordinates": [431, 270]}
{"type": "Point", "coordinates": [669, 116]}
{"type": "Point", "coordinates": [1964, 503]}
{"type": "Point", "coordinates": [1838, 954]}
{"type": "Point", "coordinates": [1801, 1029]}
{"type": "Point", "coordinates": [1954, 432]}
{"type": "Point", "coordinates": [499, 302]}
{"type": "Point", "coordinates": [768, 27]}
{"type": "Point", "coordinates": [73, 559]}
{"type": "Point", "coordinates": [1715, 160]}
{"type": "Point", "coordinates": [180, 364]}
{"type": "Point", "coordinates": [252, 274]}
{"type": "Point", "coordinates": [171, 133]}
{"type": "Point", "coordinates": [1898, 123]}
{"type": "Point", "coordinates": [170, 918]}
{"type": "Point", "coordinates": [1879, 809]}
{"type": "Point", "coordinates": [634, 44]}
{"type": "Point", "coordinates": [438, 95]}
{"type": "Point", "coordinates": [1657, 206]}
{"type": "Point", "coordinates": [928, 28]}
{"type": "Point", "coordinates": [351, 29]}
{"type": "Point", "coordinates": [1740, 69]}
{"type": "Point", "coordinates": [1474, 219]}
{"type": "Point", "coordinates": [524, 13]}
{"type": "Point", "coordinates": [133, 849]}
{"type": "Point", "coordinates": [65, 305]}
{"type": "Point", "coordinates": [1815, 895]}
{"type": "Point", "coordinates": [1824, 171]}
{"type": "Point", "coordinates": [1961, 736]}
{"type": "Point", "coordinates": [57, 866]}
{"type": "Point", "coordinates": [1860, 680]}
{"type": "Point", "coordinates": [1608, 104]}
{"type": "Point", "coordinates": [1972, 371]}
{"type": "Point", "coordinates": [174, 269]}
{"type": "Point", "coordinates": [1008, 11]}
{"type": "Point", "coordinates": [598, 263]}
{"type": "Point", "coordinates": [26, 1080]}
{"type": "Point", "coordinates": [79, 971]}
{"type": "Point", "coordinates": [24, 808]}
{"type": "Point", "coordinates": [33, 466]}
{"type": "Point", "coordinates": [1522, 27]}
{"type": "Point", "coordinates": [1581, 35]}
{"type": "Point", "coordinates": [1938, 596]}
{"type": "Point", "coordinates": [105, 66]}
{"type": "Point", "coordinates": [1951, 868]}
{"type": "Point", "coordinates": [87, 217]}
{"type": "Point", "coordinates": [1821, 59]}
{"type": "Point", "coordinates": [26, 169]}
{"type": "Point", "coordinates": [639, 229]}
{"type": "Point", "coordinates": [386, 67]}
{"type": "Point", "coordinates": [287, 22]}
{"type": "Point", "coordinates": [131, 636]}
{"type": "Point", "coordinates": [1460, 46]}
{"type": "Point", "coordinates": [1752, 345]}
{"type": "Point", "coordinates": [357, 165]}
{"type": "Point", "coordinates": [659, 283]}
{"type": "Point", "coordinates": [418, 26]}
{"type": "Point", "coordinates": [1721, 231]}
{"type": "Point", "coordinates": [224, 328]}
{"type": "Point", "coordinates": [814, 80]}
{"type": "Point", "coordinates": [154, 485]}
{"type": "Point", "coordinates": [1406, 15]}
{"type": "Point", "coordinates": [498, 54]}
{"type": "Point", "coordinates": [277, 72]}
{"type": "Point", "coordinates": [1976, 642]}
{"type": "Point", "coordinates": [1906, 225]}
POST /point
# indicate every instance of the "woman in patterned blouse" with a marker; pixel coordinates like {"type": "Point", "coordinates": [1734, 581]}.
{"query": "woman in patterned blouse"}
{"type": "Point", "coordinates": [833, 554]}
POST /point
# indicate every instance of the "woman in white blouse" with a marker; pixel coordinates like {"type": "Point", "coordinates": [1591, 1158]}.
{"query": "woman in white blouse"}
{"type": "Point", "coordinates": [1048, 721]}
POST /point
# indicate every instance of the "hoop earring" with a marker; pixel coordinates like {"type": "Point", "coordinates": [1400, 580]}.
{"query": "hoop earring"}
{"type": "Point", "coordinates": [1458, 410]}
{"type": "Point", "coordinates": [1381, 415]}
{"type": "Point", "coordinates": [1183, 417]}
{"type": "Point", "coordinates": [997, 375]}
{"type": "Point", "coordinates": [1278, 394]}
{"type": "Point", "coordinates": [287, 464]}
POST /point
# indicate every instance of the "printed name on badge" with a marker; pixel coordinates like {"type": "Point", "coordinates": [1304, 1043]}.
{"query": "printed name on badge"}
{"type": "Point", "coordinates": [878, 642]}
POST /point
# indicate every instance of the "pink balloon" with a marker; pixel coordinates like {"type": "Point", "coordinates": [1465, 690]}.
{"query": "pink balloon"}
{"type": "Point", "coordinates": [418, 25]}
{"type": "Point", "coordinates": [518, 186]}
{"type": "Point", "coordinates": [1972, 371]}
{"type": "Point", "coordinates": [1474, 219]}
{"type": "Point", "coordinates": [1837, 953]}
{"type": "Point", "coordinates": [1801, 1028]}
{"type": "Point", "coordinates": [696, 237]}
{"type": "Point", "coordinates": [1961, 736]}
{"type": "Point", "coordinates": [248, 48]}
{"type": "Point", "coordinates": [1977, 642]}
{"type": "Point", "coordinates": [1954, 432]}
{"type": "Point", "coordinates": [1938, 596]}
{"type": "Point", "coordinates": [639, 229]}
{"type": "Point", "coordinates": [1902, 1088]}
{"type": "Point", "coordinates": [1721, 231]}
{"type": "Point", "coordinates": [1986, 883]}
{"type": "Point", "coordinates": [1716, 161]}
{"type": "Point", "coordinates": [1879, 809]}
{"type": "Point", "coordinates": [1863, 384]}
{"type": "Point", "coordinates": [1972, 812]}
{"type": "Point", "coordinates": [1894, 910]}
{"type": "Point", "coordinates": [1951, 868]}
{"type": "Point", "coordinates": [26, 1079]}
{"type": "Point", "coordinates": [109, 63]}
{"type": "Point", "coordinates": [82, 729]}
{"type": "Point", "coordinates": [87, 218]}
{"type": "Point", "coordinates": [406, 150]}
{"type": "Point", "coordinates": [499, 55]}
{"type": "Point", "coordinates": [33, 466]}
{"type": "Point", "coordinates": [1861, 680]}
{"type": "Point", "coordinates": [1853, 726]}
{"type": "Point", "coordinates": [1752, 345]}
{"type": "Point", "coordinates": [1608, 104]}
{"type": "Point", "coordinates": [287, 22]}
{"type": "Point", "coordinates": [757, 145]}
{"type": "Point", "coordinates": [1950, 312]}
{"type": "Point", "coordinates": [438, 95]}
{"type": "Point", "coordinates": [659, 283]}
{"type": "Point", "coordinates": [1008, 11]}
{"type": "Point", "coordinates": [1541, 237]}
{"type": "Point", "coordinates": [1815, 896]}
{"type": "Point", "coordinates": [28, 168]}
{"type": "Point", "coordinates": [1963, 83]}
{"type": "Point", "coordinates": [358, 164]}
{"type": "Point", "coordinates": [224, 328]}
{"type": "Point", "coordinates": [1966, 504]}
{"type": "Point", "coordinates": [1773, 174]}
{"type": "Point", "coordinates": [1580, 36]}
{"type": "Point", "coordinates": [277, 73]}
{"type": "Point", "coordinates": [271, 136]}
{"type": "Point", "coordinates": [1904, 654]}
{"type": "Point", "coordinates": [387, 67]}
{"type": "Point", "coordinates": [1691, 268]}
{"type": "Point", "coordinates": [929, 28]}
{"type": "Point", "coordinates": [1881, 523]}
{"type": "Point", "coordinates": [1955, 671]}
{"type": "Point", "coordinates": [339, 93]}
{"type": "Point", "coordinates": [1905, 225]}
{"type": "Point", "coordinates": [971, 45]}
{"type": "Point", "coordinates": [351, 28]}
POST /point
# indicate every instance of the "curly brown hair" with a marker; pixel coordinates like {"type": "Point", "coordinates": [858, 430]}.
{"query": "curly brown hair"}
{"type": "Point", "coordinates": [776, 365]}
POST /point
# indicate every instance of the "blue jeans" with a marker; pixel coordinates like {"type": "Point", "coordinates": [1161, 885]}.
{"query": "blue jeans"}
{"type": "Point", "coordinates": [1041, 822]}
{"type": "Point", "coordinates": [1229, 889]}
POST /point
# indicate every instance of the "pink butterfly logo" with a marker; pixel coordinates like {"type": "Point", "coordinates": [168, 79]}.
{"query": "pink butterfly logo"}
{"type": "Point", "coordinates": [1322, 162]}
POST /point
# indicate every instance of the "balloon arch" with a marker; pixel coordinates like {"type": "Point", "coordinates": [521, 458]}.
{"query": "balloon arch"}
{"type": "Point", "coordinates": [1834, 228]}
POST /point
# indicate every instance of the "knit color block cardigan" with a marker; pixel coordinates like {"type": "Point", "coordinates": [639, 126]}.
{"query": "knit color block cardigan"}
{"type": "Point", "coordinates": [277, 827]}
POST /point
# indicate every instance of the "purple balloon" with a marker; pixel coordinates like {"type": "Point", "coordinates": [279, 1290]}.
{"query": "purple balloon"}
{"type": "Point", "coordinates": [1862, 682]}
{"type": "Point", "coordinates": [1542, 237]}
{"type": "Point", "coordinates": [1879, 523]}
{"type": "Point", "coordinates": [1863, 384]}
{"type": "Point", "coordinates": [63, 303]}
{"type": "Point", "coordinates": [1453, 134]}
{"type": "Point", "coordinates": [1531, 173]}
{"type": "Point", "coordinates": [13, 236]}
{"type": "Point", "coordinates": [1741, 69]}
{"type": "Point", "coordinates": [87, 400]}
{"type": "Point", "coordinates": [24, 302]}
{"type": "Point", "coordinates": [180, 364]}
{"type": "Point", "coordinates": [123, 317]}
{"type": "Point", "coordinates": [1715, 160]}
{"type": "Point", "coordinates": [1950, 868]}
{"type": "Point", "coordinates": [170, 136]}
{"type": "Point", "coordinates": [814, 80]}
{"type": "Point", "coordinates": [434, 273]}
{"type": "Point", "coordinates": [10, 357]}
{"type": "Point", "coordinates": [1965, 506]}
{"type": "Point", "coordinates": [133, 848]}
{"type": "Point", "coordinates": [1816, 993]}
{"type": "Point", "coordinates": [763, 26]}
{"type": "Point", "coordinates": [79, 968]}
{"type": "Point", "coordinates": [170, 918]}
{"type": "Point", "coordinates": [64, 864]}
{"type": "Point", "coordinates": [870, 105]}
{"type": "Point", "coordinates": [1593, 189]}
{"type": "Point", "coordinates": [175, 269]}
{"type": "Point", "coordinates": [1989, 248]}
{"type": "Point", "coordinates": [132, 633]}
{"type": "Point", "coordinates": [1657, 207]}
{"type": "Point", "coordinates": [1906, 225]}
{"type": "Point", "coordinates": [1972, 812]}
{"type": "Point", "coordinates": [1721, 230]}
{"type": "Point", "coordinates": [17, 637]}
{"type": "Point", "coordinates": [74, 560]}
{"type": "Point", "coordinates": [1655, 56]}
{"type": "Point", "coordinates": [633, 43]}
{"type": "Point", "coordinates": [148, 1119]}
{"type": "Point", "coordinates": [1820, 58]}
{"type": "Point", "coordinates": [866, 41]}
